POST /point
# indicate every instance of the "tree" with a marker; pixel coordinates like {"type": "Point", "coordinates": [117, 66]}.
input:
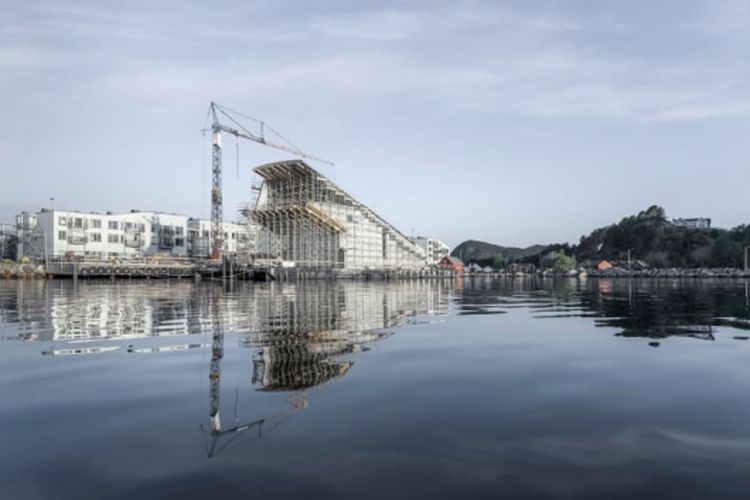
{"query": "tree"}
{"type": "Point", "coordinates": [558, 261]}
{"type": "Point", "coordinates": [500, 262]}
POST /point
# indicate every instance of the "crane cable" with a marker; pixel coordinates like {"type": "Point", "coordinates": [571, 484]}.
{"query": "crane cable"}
{"type": "Point", "coordinates": [263, 125]}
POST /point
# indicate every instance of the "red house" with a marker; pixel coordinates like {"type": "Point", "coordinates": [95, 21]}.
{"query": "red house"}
{"type": "Point", "coordinates": [452, 263]}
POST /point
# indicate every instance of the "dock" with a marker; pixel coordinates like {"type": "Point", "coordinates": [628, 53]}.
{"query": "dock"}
{"type": "Point", "coordinates": [94, 269]}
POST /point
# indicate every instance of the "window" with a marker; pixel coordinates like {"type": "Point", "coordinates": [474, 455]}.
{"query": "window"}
{"type": "Point", "coordinates": [96, 223]}
{"type": "Point", "coordinates": [62, 221]}
{"type": "Point", "coordinates": [178, 230]}
{"type": "Point", "coordinates": [122, 238]}
{"type": "Point", "coordinates": [78, 222]}
{"type": "Point", "coordinates": [61, 235]}
{"type": "Point", "coordinates": [96, 237]}
{"type": "Point", "coordinates": [233, 235]}
{"type": "Point", "coordinates": [113, 224]}
{"type": "Point", "coordinates": [128, 225]}
{"type": "Point", "coordinates": [205, 233]}
{"type": "Point", "coordinates": [179, 242]}
{"type": "Point", "coordinates": [141, 228]}
{"type": "Point", "coordinates": [113, 238]}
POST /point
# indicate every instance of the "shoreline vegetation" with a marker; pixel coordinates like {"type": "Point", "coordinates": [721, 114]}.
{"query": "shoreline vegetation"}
{"type": "Point", "coordinates": [645, 244]}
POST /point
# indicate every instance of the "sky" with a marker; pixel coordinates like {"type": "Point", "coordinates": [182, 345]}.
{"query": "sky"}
{"type": "Point", "coordinates": [512, 122]}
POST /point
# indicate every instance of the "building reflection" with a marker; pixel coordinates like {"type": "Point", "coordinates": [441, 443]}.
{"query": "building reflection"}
{"type": "Point", "coordinates": [296, 335]}
{"type": "Point", "coordinates": [61, 312]}
{"type": "Point", "coordinates": [299, 334]}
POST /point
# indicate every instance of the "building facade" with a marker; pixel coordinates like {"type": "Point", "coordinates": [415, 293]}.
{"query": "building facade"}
{"type": "Point", "coordinates": [101, 236]}
{"type": "Point", "coordinates": [693, 223]}
{"type": "Point", "coordinates": [60, 233]}
{"type": "Point", "coordinates": [435, 249]}
{"type": "Point", "coordinates": [237, 238]}
{"type": "Point", "coordinates": [305, 220]}
{"type": "Point", "coordinates": [8, 241]}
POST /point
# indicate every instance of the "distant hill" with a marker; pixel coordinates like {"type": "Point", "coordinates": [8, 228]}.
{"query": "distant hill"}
{"type": "Point", "coordinates": [651, 237]}
{"type": "Point", "coordinates": [483, 252]}
{"type": "Point", "coordinates": [648, 236]}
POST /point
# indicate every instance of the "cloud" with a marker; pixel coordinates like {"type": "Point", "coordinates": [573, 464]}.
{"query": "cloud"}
{"type": "Point", "coordinates": [477, 58]}
{"type": "Point", "coordinates": [377, 25]}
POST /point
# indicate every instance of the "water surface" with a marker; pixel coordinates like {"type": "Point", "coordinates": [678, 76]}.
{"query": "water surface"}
{"type": "Point", "coordinates": [410, 389]}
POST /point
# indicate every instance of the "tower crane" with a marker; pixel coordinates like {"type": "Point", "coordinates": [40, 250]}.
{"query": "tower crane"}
{"type": "Point", "coordinates": [232, 125]}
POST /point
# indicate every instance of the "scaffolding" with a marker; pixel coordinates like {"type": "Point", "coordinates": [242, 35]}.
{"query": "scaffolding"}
{"type": "Point", "coordinates": [305, 219]}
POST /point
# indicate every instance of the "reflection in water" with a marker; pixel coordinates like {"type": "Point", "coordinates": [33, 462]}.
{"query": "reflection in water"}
{"type": "Point", "coordinates": [295, 332]}
{"type": "Point", "coordinates": [661, 309]}
{"type": "Point", "coordinates": [298, 334]}
{"type": "Point", "coordinates": [320, 320]}
{"type": "Point", "coordinates": [547, 398]}
{"type": "Point", "coordinates": [91, 311]}
{"type": "Point", "coordinates": [78, 351]}
{"type": "Point", "coordinates": [167, 348]}
{"type": "Point", "coordinates": [653, 309]}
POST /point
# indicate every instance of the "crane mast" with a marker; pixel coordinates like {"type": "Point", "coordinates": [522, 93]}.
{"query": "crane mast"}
{"type": "Point", "coordinates": [217, 112]}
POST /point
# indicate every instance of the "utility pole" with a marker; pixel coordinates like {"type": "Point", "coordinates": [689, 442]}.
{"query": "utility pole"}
{"type": "Point", "coordinates": [629, 259]}
{"type": "Point", "coordinates": [747, 258]}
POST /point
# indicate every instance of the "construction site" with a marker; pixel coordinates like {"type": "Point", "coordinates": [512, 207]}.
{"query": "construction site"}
{"type": "Point", "coordinates": [305, 219]}
{"type": "Point", "coordinates": [303, 224]}
{"type": "Point", "coordinates": [295, 224]}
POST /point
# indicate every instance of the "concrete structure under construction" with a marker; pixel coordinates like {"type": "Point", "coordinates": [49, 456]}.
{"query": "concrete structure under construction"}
{"type": "Point", "coordinates": [305, 220]}
{"type": "Point", "coordinates": [29, 240]}
{"type": "Point", "coordinates": [8, 241]}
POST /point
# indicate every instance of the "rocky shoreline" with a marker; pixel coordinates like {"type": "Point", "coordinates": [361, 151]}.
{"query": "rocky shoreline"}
{"type": "Point", "coordinates": [18, 270]}
{"type": "Point", "coordinates": [672, 273]}
{"type": "Point", "coordinates": [624, 273]}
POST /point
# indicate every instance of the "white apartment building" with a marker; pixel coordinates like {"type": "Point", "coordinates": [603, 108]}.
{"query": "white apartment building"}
{"type": "Point", "coordinates": [693, 223]}
{"type": "Point", "coordinates": [59, 233]}
{"type": "Point", "coordinates": [237, 238]}
{"type": "Point", "coordinates": [127, 235]}
{"type": "Point", "coordinates": [434, 248]}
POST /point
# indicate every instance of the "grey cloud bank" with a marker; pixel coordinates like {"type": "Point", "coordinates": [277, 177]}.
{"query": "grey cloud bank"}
{"type": "Point", "coordinates": [490, 120]}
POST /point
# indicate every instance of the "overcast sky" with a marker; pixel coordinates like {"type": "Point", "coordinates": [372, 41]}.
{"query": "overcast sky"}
{"type": "Point", "coordinates": [513, 122]}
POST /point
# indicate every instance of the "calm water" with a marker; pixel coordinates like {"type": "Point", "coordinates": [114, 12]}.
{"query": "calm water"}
{"type": "Point", "coordinates": [478, 389]}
